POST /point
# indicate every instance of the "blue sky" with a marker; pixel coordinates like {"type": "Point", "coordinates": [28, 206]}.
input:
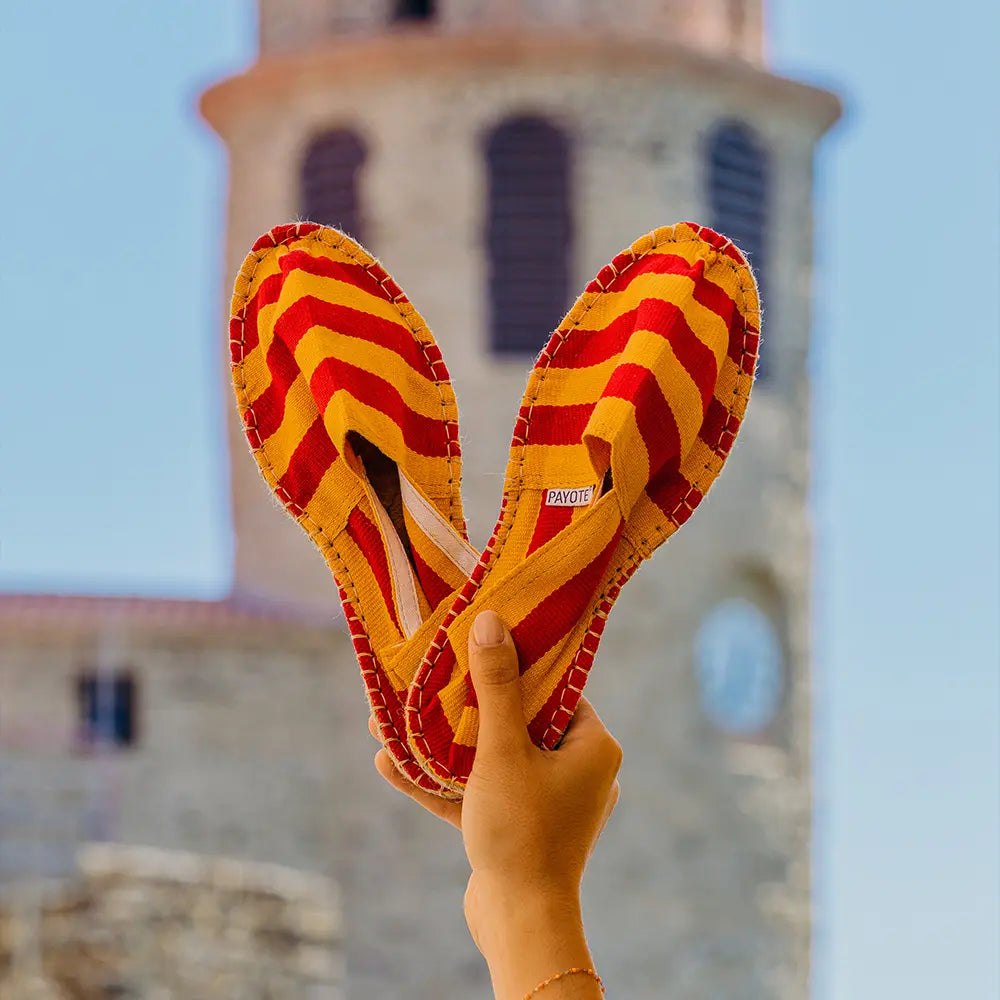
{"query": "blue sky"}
{"type": "Point", "coordinates": [111, 434]}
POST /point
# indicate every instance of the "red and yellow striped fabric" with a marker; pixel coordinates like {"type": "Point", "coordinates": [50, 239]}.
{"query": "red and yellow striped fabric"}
{"type": "Point", "coordinates": [628, 416]}
{"type": "Point", "coordinates": [646, 378]}
{"type": "Point", "coordinates": [324, 344]}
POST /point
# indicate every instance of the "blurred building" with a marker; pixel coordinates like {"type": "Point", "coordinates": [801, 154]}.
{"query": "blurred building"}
{"type": "Point", "coordinates": [492, 153]}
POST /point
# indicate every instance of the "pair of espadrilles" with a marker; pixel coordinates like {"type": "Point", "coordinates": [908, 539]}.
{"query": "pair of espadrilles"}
{"type": "Point", "coordinates": [630, 411]}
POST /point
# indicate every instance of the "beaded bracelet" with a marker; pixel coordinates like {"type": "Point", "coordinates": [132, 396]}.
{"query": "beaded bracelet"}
{"type": "Point", "coordinates": [560, 975]}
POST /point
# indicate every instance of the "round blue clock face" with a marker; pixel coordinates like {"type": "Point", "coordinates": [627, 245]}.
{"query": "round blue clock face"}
{"type": "Point", "coordinates": [739, 665]}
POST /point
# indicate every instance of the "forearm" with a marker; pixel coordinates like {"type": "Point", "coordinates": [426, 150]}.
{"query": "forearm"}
{"type": "Point", "coordinates": [528, 939]}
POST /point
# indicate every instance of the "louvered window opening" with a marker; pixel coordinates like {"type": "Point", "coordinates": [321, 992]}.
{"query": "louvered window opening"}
{"type": "Point", "coordinates": [106, 706]}
{"type": "Point", "coordinates": [739, 192]}
{"type": "Point", "coordinates": [329, 183]}
{"type": "Point", "coordinates": [528, 233]}
{"type": "Point", "coordinates": [414, 10]}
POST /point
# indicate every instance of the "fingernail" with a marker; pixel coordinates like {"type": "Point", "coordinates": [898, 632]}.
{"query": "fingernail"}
{"type": "Point", "coordinates": [487, 629]}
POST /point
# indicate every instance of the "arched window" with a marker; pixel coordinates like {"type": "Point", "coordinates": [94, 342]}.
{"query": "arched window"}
{"type": "Point", "coordinates": [738, 196]}
{"type": "Point", "coordinates": [528, 232]}
{"type": "Point", "coordinates": [329, 181]}
{"type": "Point", "coordinates": [414, 10]}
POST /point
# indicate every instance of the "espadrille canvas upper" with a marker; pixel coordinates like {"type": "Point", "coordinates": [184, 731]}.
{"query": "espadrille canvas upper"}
{"type": "Point", "coordinates": [630, 412]}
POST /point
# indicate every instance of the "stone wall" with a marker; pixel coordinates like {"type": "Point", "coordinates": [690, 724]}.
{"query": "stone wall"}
{"type": "Point", "coordinates": [253, 744]}
{"type": "Point", "coordinates": [145, 924]}
{"type": "Point", "coordinates": [720, 27]}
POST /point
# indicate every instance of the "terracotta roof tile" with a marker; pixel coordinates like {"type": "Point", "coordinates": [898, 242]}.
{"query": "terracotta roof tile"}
{"type": "Point", "coordinates": [20, 608]}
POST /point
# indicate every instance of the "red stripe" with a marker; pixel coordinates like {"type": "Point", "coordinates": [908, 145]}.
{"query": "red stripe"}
{"type": "Point", "coordinates": [423, 435]}
{"type": "Point", "coordinates": [308, 312]}
{"type": "Point", "coordinates": [313, 455]}
{"type": "Point", "coordinates": [284, 234]}
{"type": "Point", "coordinates": [713, 297]}
{"type": "Point", "coordinates": [371, 279]}
{"type": "Point", "coordinates": [584, 348]}
{"type": "Point", "coordinates": [267, 294]}
{"type": "Point", "coordinates": [716, 418]}
{"type": "Point", "coordinates": [437, 732]}
{"type": "Point", "coordinates": [591, 347]}
{"type": "Point", "coordinates": [545, 715]}
{"type": "Point", "coordinates": [366, 536]}
{"type": "Point", "coordinates": [435, 589]}
{"type": "Point", "coordinates": [551, 520]}
{"type": "Point", "coordinates": [705, 292]}
{"type": "Point", "coordinates": [554, 617]}
{"type": "Point", "coordinates": [559, 424]}
{"type": "Point", "coordinates": [460, 760]}
{"type": "Point", "coordinates": [366, 278]}
{"type": "Point", "coordinates": [553, 718]}
{"type": "Point", "coordinates": [668, 490]}
{"type": "Point", "coordinates": [697, 358]}
{"type": "Point", "coordinates": [269, 407]}
{"type": "Point", "coordinates": [652, 263]}
{"type": "Point", "coordinates": [653, 415]}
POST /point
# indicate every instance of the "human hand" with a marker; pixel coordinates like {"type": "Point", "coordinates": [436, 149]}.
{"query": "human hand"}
{"type": "Point", "coordinates": [530, 818]}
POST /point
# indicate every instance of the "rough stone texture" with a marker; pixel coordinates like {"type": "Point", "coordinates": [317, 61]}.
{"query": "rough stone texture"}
{"type": "Point", "coordinates": [253, 740]}
{"type": "Point", "coordinates": [145, 924]}
{"type": "Point", "coordinates": [719, 27]}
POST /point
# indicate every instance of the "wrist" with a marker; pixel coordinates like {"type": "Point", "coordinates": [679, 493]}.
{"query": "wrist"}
{"type": "Point", "coordinates": [494, 905]}
{"type": "Point", "coordinates": [526, 933]}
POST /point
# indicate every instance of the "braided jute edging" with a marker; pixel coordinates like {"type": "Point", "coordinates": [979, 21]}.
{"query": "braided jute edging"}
{"type": "Point", "coordinates": [371, 672]}
{"type": "Point", "coordinates": [584, 657]}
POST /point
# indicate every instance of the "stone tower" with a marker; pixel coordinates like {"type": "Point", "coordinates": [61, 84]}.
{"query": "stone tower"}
{"type": "Point", "coordinates": [434, 130]}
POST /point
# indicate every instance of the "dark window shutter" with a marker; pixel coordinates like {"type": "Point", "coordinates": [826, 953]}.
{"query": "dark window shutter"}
{"type": "Point", "coordinates": [106, 706]}
{"type": "Point", "coordinates": [529, 232]}
{"type": "Point", "coordinates": [329, 182]}
{"type": "Point", "coordinates": [414, 10]}
{"type": "Point", "coordinates": [739, 193]}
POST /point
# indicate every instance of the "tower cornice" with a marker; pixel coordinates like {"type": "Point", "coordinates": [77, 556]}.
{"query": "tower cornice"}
{"type": "Point", "coordinates": [276, 77]}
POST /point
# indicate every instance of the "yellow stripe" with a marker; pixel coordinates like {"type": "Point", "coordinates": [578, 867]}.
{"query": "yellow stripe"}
{"type": "Point", "coordinates": [556, 465]}
{"type": "Point", "coordinates": [341, 293]}
{"type": "Point", "coordinates": [517, 587]}
{"type": "Point", "coordinates": [701, 465]}
{"type": "Point", "coordinates": [574, 386]}
{"type": "Point", "coordinates": [256, 376]}
{"type": "Point", "coordinates": [384, 433]}
{"type": "Point", "coordinates": [707, 325]}
{"type": "Point", "coordinates": [614, 420]}
{"type": "Point", "coordinates": [568, 387]}
{"type": "Point", "coordinates": [732, 387]}
{"type": "Point", "coordinates": [540, 679]}
{"type": "Point", "coordinates": [519, 539]}
{"type": "Point", "coordinates": [265, 333]}
{"type": "Point", "coordinates": [270, 264]}
{"type": "Point", "coordinates": [381, 630]}
{"type": "Point", "coordinates": [729, 280]}
{"type": "Point", "coordinates": [338, 493]}
{"type": "Point", "coordinates": [419, 393]}
{"type": "Point", "coordinates": [682, 395]}
{"type": "Point", "coordinates": [300, 412]}
{"type": "Point", "coordinates": [299, 283]}
{"type": "Point", "coordinates": [690, 249]}
{"type": "Point", "coordinates": [432, 555]}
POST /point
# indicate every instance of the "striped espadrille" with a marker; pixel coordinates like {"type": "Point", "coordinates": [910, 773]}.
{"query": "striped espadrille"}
{"type": "Point", "coordinates": [629, 414]}
{"type": "Point", "coordinates": [628, 417]}
{"type": "Point", "coordinates": [349, 410]}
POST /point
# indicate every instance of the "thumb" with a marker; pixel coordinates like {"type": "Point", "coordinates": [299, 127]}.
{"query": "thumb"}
{"type": "Point", "coordinates": [497, 679]}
